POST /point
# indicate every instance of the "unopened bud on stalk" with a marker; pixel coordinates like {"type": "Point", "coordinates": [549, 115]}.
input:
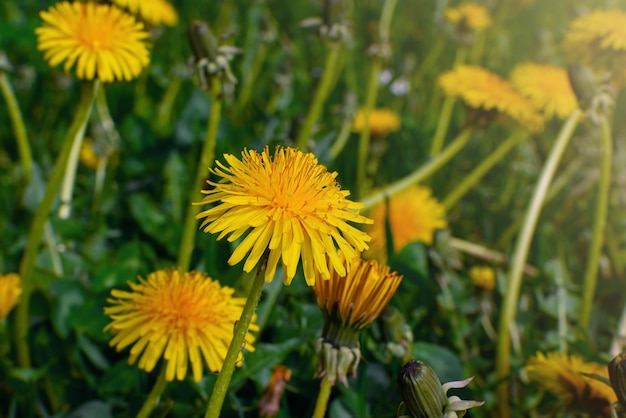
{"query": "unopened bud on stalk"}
{"type": "Point", "coordinates": [583, 83]}
{"type": "Point", "coordinates": [421, 391]}
{"type": "Point", "coordinates": [202, 41]}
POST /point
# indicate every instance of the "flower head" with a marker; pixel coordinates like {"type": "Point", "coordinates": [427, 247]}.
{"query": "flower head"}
{"type": "Point", "coordinates": [547, 87]}
{"type": "Point", "coordinates": [101, 41]}
{"type": "Point", "coordinates": [382, 122]}
{"type": "Point", "coordinates": [472, 16]}
{"type": "Point", "coordinates": [562, 375]}
{"type": "Point", "coordinates": [414, 215]}
{"type": "Point", "coordinates": [483, 277]}
{"type": "Point", "coordinates": [184, 317]}
{"type": "Point", "coordinates": [286, 204]}
{"type": "Point", "coordinates": [10, 291]}
{"type": "Point", "coordinates": [155, 12]}
{"type": "Point", "coordinates": [483, 90]}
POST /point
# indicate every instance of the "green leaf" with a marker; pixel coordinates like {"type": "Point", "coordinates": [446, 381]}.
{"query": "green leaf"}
{"type": "Point", "coordinates": [444, 362]}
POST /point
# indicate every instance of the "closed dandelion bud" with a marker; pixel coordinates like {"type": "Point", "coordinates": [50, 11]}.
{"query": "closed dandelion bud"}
{"type": "Point", "coordinates": [202, 41]}
{"type": "Point", "coordinates": [421, 391]}
{"type": "Point", "coordinates": [617, 376]}
{"type": "Point", "coordinates": [583, 83]}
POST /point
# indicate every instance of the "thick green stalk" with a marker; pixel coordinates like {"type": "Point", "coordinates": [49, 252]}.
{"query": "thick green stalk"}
{"type": "Point", "coordinates": [522, 246]}
{"type": "Point", "coordinates": [27, 265]}
{"type": "Point", "coordinates": [19, 130]}
{"type": "Point", "coordinates": [599, 225]}
{"type": "Point", "coordinates": [206, 160]}
{"type": "Point", "coordinates": [155, 394]}
{"type": "Point", "coordinates": [241, 328]}
{"type": "Point", "coordinates": [323, 89]}
{"type": "Point", "coordinates": [483, 168]}
{"type": "Point", "coordinates": [422, 172]}
{"type": "Point", "coordinates": [322, 398]}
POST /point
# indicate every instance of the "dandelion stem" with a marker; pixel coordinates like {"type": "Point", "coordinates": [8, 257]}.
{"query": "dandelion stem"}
{"type": "Point", "coordinates": [250, 79]}
{"type": "Point", "coordinates": [241, 328]}
{"type": "Point", "coordinates": [422, 172]}
{"type": "Point", "coordinates": [206, 158]}
{"type": "Point", "coordinates": [322, 398]}
{"type": "Point", "coordinates": [323, 89]}
{"type": "Point", "coordinates": [155, 394]}
{"type": "Point", "coordinates": [599, 225]}
{"type": "Point", "coordinates": [27, 265]}
{"type": "Point", "coordinates": [522, 246]}
{"type": "Point", "coordinates": [483, 168]}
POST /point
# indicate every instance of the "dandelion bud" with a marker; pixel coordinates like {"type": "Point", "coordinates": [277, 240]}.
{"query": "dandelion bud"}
{"type": "Point", "coordinates": [583, 83]}
{"type": "Point", "coordinates": [421, 390]}
{"type": "Point", "coordinates": [202, 41]}
{"type": "Point", "coordinates": [617, 376]}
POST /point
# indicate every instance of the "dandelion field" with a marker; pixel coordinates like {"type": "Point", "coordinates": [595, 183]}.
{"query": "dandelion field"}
{"type": "Point", "coordinates": [177, 237]}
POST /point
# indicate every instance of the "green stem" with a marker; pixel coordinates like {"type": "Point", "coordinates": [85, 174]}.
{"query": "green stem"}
{"type": "Point", "coordinates": [164, 111]}
{"type": "Point", "coordinates": [249, 79]}
{"type": "Point", "coordinates": [323, 89]}
{"type": "Point", "coordinates": [206, 160]}
{"type": "Point", "coordinates": [69, 179]}
{"type": "Point", "coordinates": [342, 138]}
{"type": "Point", "coordinates": [155, 394]}
{"type": "Point", "coordinates": [422, 172]}
{"type": "Point", "coordinates": [522, 246]}
{"type": "Point", "coordinates": [483, 168]}
{"type": "Point", "coordinates": [241, 328]}
{"type": "Point", "coordinates": [19, 130]}
{"type": "Point", "coordinates": [599, 225]}
{"type": "Point", "coordinates": [322, 398]}
{"type": "Point", "coordinates": [431, 59]}
{"type": "Point", "coordinates": [27, 265]}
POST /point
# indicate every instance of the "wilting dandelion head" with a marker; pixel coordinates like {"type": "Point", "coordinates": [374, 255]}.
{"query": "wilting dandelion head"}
{"type": "Point", "coordinates": [10, 291]}
{"type": "Point", "coordinates": [99, 41]}
{"type": "Point", "coordinates": [471, 16]}
{"type": "Point", "coordinates": [562, 375]}
{"type": "Point", "coordinates": [155, 12]}
{"type": "Point", "coordinates": [182, 317]}
{"type": "Point", "coordinates": [547, 87]}
{"type": "Point", "coordinates": [286, 204]}
{"type": "Point", "coordinates": [414, 215]}
{"type": "Point", "coordinates": [481, 89]}
{"type": "Point", "coordinates": [382, 122]}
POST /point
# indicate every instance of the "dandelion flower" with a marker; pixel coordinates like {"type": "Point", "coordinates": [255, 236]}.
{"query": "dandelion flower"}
{"type": "Point", "coordinates": [182, 317]}
{"type": "Point", "coordinates": [471, 16]}
{"type": "Point", "coordinates": [382, 122]}
{"type": "Point", "coordinates": [547, 87]}
{"type": "Point", "coordinates": [10, 291]}
{"type": "Point", "coordinates": [101, 41]}
{"type": "Point", "coordinates": [481, 89]}
{"type": "Point", "coordinates": [286, 204]}
{"type": "Point", "coordinates": [483, 277]}
{"type": "Point", "coordinates": [562, 375]}
{"type": "Point", "coordinates": [155, 12]}
{"type": "Point", "coordinates": [414, 215]}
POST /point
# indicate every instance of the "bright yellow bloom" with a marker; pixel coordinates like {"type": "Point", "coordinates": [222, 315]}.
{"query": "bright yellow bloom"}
{"type": "Point", "coordinates": [289, 205]}
{"type": "Point", "coordinates": [414, 215]}
{"type": "Point", "coordinates": [382, 121]}
{"type": "Point", "coordinates": [10, 291]}
{"type": "Point", "coordinates": [472, 16]}
{"type": "Point", "coordinates": [562, 375]}
{"type": "Point", "coordinates": [481, 89]}
{"type": "Point", "coordinates": [483, 277]}
{"type": "Point", "coordinates": [155, 12]}
{"type": "Point", "coordinates": [547, 87]}
{"type": "Point", "coordinates": [183, 317]}
{"type": "Point", "coordinates": [101, 41]}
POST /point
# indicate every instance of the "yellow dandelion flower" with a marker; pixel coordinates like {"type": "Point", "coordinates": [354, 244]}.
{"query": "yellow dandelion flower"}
{"type": "Point", "coordinates": [382, 122]}
{"type": "Point", "coordinates": [598, 39]}
{"type": "Point", "coordinates": [414, 215]}
{"type": "Point", "coordinates": [288, 205]}
{"type": "Point", "coordinates": [182, 317]}
{"type": "Point", "coordinates": [101, 41]}
{"type": "Point", "coordinates": [481, 89]}
{"type": "Point", "coordinates": [10, 291]}
{"type": "Point", "coordinates": [88, 155]}
{"type": "Point", "coordinates": [471, 16]}
{"type": "Point", "coordinates": [562, 375]}
{"type": "Point", "coordinates": [155, 12]}
{"type": "Point", "coordinates": [483, 277]}
{"type": "Point", "coordinates": [547, 87]}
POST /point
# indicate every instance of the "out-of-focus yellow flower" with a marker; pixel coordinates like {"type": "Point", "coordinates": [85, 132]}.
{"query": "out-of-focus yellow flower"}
{"type": "Point", "coordinates": [414, 215]}
{"type": "Point", "coordinates": [100, 41]}
{"type": "Point", "coordinates": [547, 87]}
{"type": "Point", "coordinates": [155, 12]}
{"type": "Point", "coordinates": [289, 205]}
{"type": "Point", "coordinates": [483, 277]}
{"type": "Point", "coordinates": [471, 16]}
{"type": "Point", "coordinates": [382, 122]}
{"type": "Point", "coordinates": [10, 291]}
{"type": "Point", "coordinates": [598, 40]}
{"type": "Point", "coordinates": [481, 89]}
{"type": "Point", "coordinates": [562, 375]}
{"type": "Point", "coordinates": [182, 317]}
{"type": "Point", "coordinates": [87, 154]}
